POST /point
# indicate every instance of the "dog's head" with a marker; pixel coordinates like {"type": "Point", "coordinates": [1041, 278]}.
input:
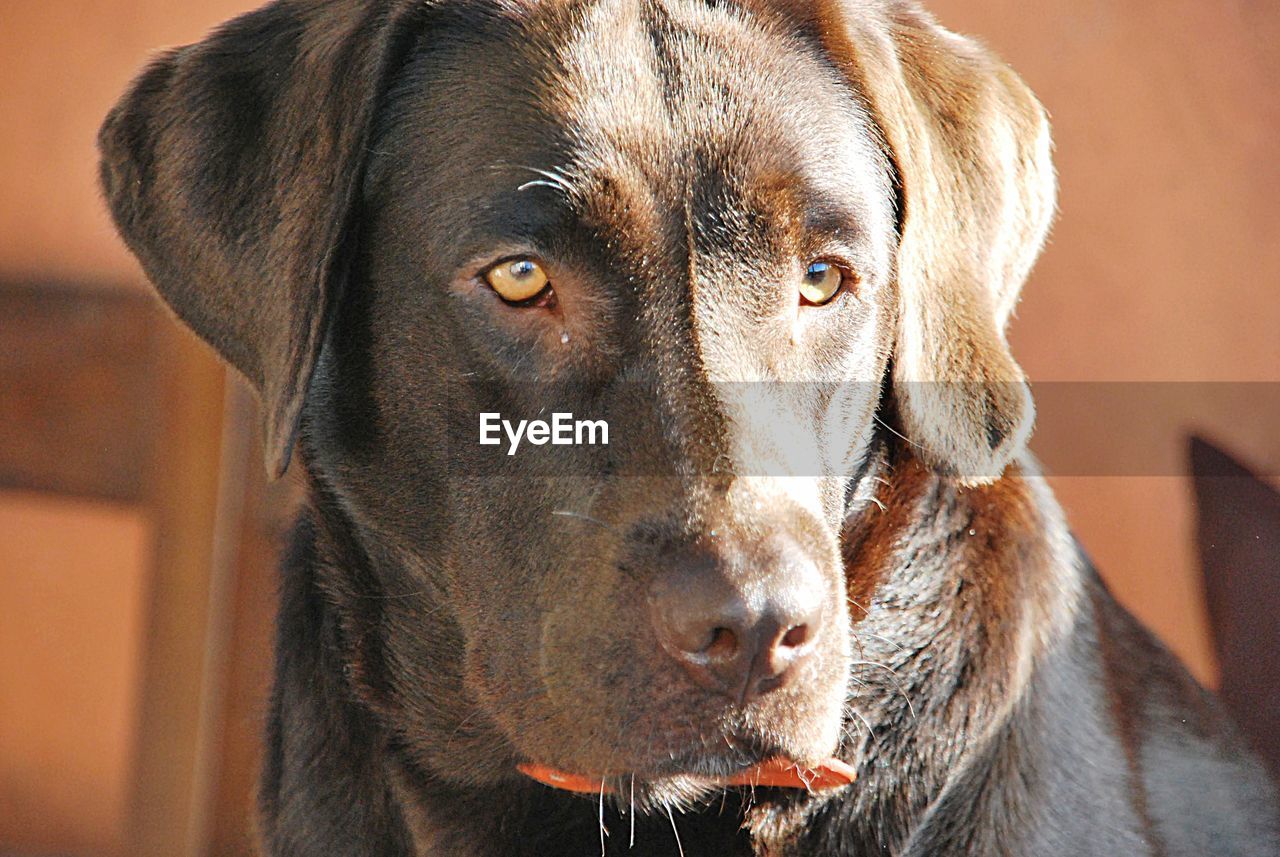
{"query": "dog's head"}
{"type": "Point", "coordinates": [731, 231]}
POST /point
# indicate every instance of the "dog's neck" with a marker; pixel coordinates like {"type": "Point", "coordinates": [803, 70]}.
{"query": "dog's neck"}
{"type": "Point", "coordinates": [956, 592]}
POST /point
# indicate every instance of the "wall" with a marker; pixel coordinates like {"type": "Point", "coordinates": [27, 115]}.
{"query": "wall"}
{"type": "Point", "coordinates": [62, 65]}
{"type": "Point", "coordinates": [77, 576]}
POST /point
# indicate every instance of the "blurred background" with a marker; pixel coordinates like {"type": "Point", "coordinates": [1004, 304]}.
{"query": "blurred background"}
{"type": "Point", "coordinates": [137, 534]}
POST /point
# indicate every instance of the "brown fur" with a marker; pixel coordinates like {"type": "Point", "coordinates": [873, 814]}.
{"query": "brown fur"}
{"type": "Point", "coordinates": [316, 188]}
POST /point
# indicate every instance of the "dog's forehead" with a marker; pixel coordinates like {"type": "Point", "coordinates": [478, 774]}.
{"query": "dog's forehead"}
{"type": "Point", "coordinates": [647, 96]}
{"type": "Point", "coordinates": [676, 88]}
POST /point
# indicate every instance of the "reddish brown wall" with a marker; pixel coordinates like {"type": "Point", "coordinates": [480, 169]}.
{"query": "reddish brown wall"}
{"type": "Point", "coordinates": [75, 574]}
{"type": "Point", "coordinates": [62, 65]}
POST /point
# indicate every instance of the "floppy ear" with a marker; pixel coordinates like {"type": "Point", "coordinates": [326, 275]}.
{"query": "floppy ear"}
{"type": "Point", "coordinates": [970, 146]}
{"type": "Point", "coordinates": [232, 168]}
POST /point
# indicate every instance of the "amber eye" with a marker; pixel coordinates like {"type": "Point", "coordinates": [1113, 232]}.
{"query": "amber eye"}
{"type": "Point", "coordinates": [517, 280]}
{"type": "Point", "coordinates": [821, 282]}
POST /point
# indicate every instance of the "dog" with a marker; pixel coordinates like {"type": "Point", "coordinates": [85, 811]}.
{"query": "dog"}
{"type": "Point", "coordinates": [811, 596]}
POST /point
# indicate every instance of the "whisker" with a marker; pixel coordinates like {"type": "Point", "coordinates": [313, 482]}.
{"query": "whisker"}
{"type": "Point", "coordinates": [603, 831]}
{"type": "Point", "coordinates": [558, 180]}
{"type": "Point", "coordinates": [461, 723]}
{"type": "Point", "coordinates": [565, 513]}
{"type": "Point", "coordinates": [539, 183]}
{"type": "Point", "coordinates": [391, 596]}
{"type": "Point", "coordinates": [884, 639]}
{"type": "Point", "coordinates": [890, 428]}
{"type": "Point", "coordinates": [857, 641]}
{"type": "Point", "coordinates": [871, 733]}
{"type": "Point", "coordinates": [876, 664]}
{"type": "Point", "coordinates": [672, 819]}
{"type": "Point", "coordinates": [894, 673]}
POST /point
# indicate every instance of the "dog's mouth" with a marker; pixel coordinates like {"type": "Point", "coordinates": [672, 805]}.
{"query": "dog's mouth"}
{"type": "Point", "coordinates": [776, 772]}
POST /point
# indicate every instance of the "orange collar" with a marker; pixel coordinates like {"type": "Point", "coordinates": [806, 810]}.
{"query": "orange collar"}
{"type": "Point", "coordinates": [779, 773]}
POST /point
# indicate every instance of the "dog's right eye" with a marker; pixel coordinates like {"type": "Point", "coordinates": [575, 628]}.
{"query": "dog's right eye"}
{"type": "Point", "coordinates": [822, 281]}
{"type": "Point", "coordinates": [518, 281]}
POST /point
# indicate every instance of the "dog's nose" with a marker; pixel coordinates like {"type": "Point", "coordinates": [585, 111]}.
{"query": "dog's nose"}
{"type": "Point", "coordinates": [740, 632]}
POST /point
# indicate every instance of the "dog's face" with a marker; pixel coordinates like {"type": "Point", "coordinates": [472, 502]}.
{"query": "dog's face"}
{"type": "Point", "coordinates": [692, 222]}
{"type": "Point", "coordinates": [674, 206]}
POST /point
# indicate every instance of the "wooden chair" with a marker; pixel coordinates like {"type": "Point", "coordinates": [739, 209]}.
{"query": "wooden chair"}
{"type": "Point", "coordinates": [103, 397]}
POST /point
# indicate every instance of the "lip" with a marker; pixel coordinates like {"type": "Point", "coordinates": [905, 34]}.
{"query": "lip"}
{"type": "Point", "coordinates": [776, 772]}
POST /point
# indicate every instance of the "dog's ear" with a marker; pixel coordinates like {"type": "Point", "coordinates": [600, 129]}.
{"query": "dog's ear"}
{"type": "Point", "coordinates": [970, 147]}
{"type": "Point", "coordinates": [232, 168]}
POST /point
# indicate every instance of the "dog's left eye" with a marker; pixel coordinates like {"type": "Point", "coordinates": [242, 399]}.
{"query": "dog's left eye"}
{"type": "Point", "coordinates": [822, 282]}
{"type": "Point", "coordinates": [518, 281]}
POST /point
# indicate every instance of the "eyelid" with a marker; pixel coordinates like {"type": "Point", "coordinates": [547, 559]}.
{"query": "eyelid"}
{"type": "Point", "coordinates": [487, 263]}
{"type": "Point", "coordinates": [855, 263]}
{"type": "Point", "coordinates": [833, 253]}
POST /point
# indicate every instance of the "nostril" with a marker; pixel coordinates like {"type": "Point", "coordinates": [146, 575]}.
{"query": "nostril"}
{"type": "Point", "coordinates": [795, 637]}
{"type": "Point", "coordinates": [740, 625]}
{"type": "Point", "coordinates": [723, 646]}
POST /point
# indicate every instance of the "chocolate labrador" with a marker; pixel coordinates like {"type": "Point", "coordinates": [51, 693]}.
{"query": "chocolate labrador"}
{"type": "Point", "coordinates": [646, 363]}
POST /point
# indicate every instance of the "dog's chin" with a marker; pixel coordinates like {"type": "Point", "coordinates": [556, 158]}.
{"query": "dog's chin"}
{"type": "Point", "coordinates": [689, 780]}
{"type": "Point", "coordinates": [650, 795]}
